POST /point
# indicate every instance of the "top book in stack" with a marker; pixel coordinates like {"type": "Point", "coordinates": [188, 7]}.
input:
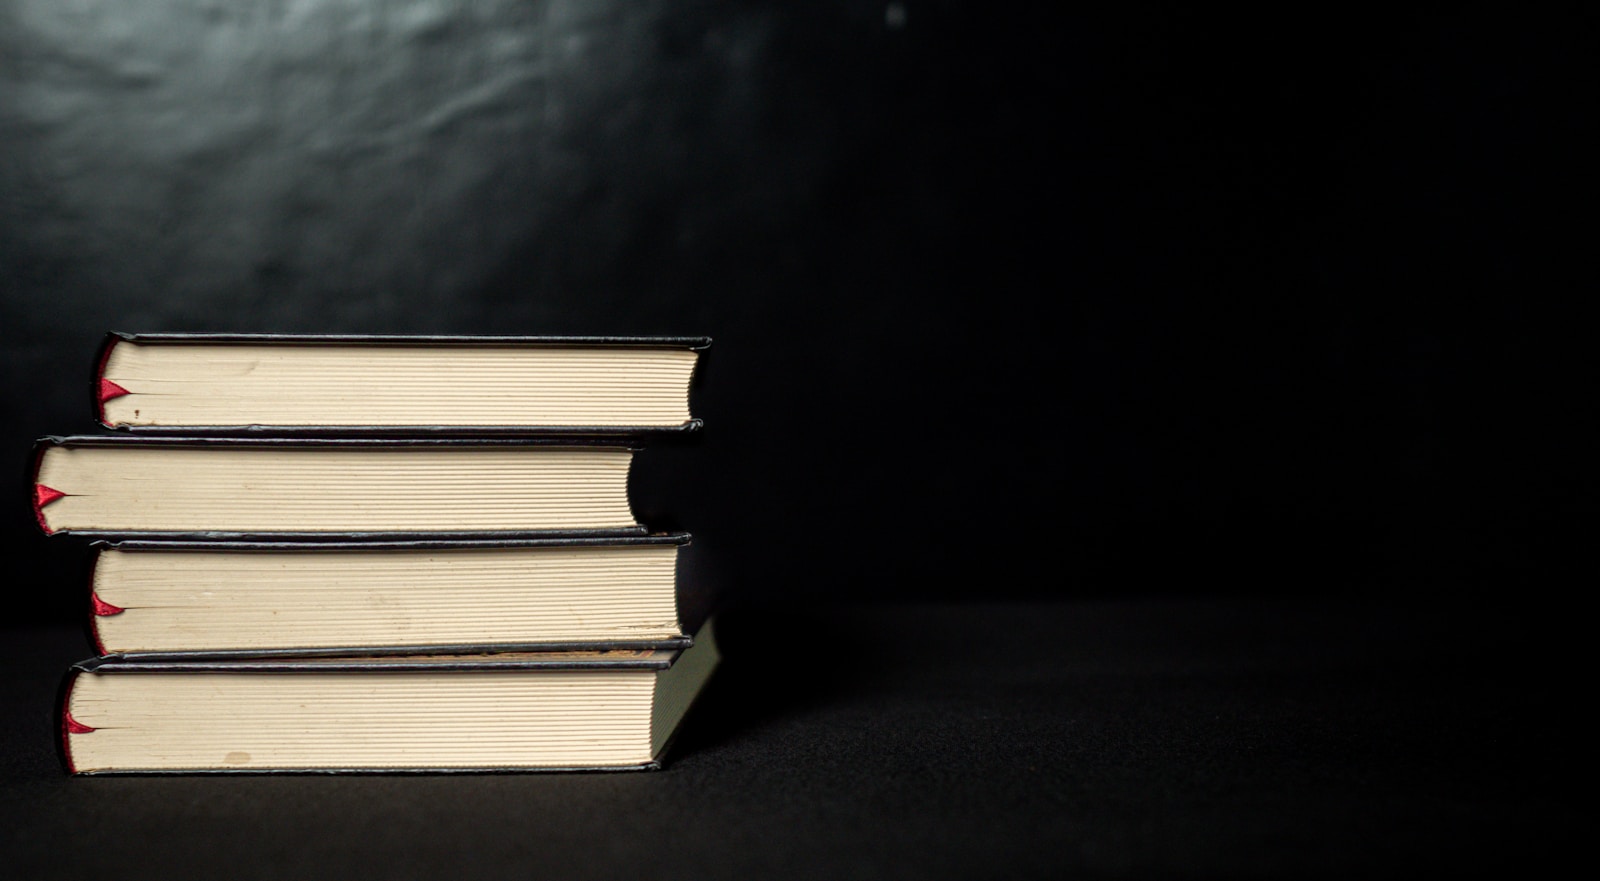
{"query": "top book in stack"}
{"type": "Point", "coordinates": [404, 385]}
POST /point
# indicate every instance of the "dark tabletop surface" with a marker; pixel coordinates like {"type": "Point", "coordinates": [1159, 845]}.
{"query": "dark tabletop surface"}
{"type": "Point", "coordinates": [1232, 737]}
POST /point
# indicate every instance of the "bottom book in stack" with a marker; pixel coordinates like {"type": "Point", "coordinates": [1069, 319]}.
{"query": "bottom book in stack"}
{"type": "Point", "coordinates": [494, 711]}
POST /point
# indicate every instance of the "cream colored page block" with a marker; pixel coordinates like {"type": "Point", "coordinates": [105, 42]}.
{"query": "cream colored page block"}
{"type": "Point", "coordinates": [194, 600]}
{"type": "Point", "coordinates": [397, 385]}
{"type": "Point", "coordinates": [300, 489]}
{"type": "Point", "coordinates": [243, 721]}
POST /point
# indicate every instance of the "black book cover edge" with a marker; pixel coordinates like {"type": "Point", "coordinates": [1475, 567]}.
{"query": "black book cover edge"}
{"type": "Point", "coordinates": [696, 343]}
{"type": "Point", "coordinates": [320, 538]}
{"type": "Point", "coordinates": [434, 661]}
{"type": "Point", "coordinates": [333, 772]}
{"type": "Point", "coordinates": [658, 538]}
{"type": "Point", "coordinates": [693, 601]}
{"type": "Point", "coordinates": [117, 440]}
{"type": "Point", "coordinates": [668, 644]}
{"type": "Point", "coordinates": [666, 432]}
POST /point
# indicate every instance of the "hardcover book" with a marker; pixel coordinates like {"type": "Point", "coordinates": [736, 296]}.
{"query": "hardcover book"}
{"type": "Point", "coordinates": [236, 488]}
{"type": "Point", "coordinates": [488, 712]}
{"type": "Point", "coordinates": [230, 598]}
{"type": "Point", "coordinates": [287, 384]}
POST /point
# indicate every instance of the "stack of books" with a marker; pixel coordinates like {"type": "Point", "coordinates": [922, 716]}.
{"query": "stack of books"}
{"type": "Point", "coordinates": [377, 554]}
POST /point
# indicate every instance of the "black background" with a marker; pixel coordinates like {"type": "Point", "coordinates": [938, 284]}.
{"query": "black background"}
{"type": "Point", "coordinates": [1244, 356]}
{"type": "Point", "coordinates": [1007, 302]}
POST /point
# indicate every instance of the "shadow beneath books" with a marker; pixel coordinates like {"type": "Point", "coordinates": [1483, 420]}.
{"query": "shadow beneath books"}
{"type": "Point", "coordinates": [776, 664]}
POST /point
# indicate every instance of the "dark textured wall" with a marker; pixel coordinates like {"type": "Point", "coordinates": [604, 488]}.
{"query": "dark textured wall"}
{"type": "Point", "coordinates": [1006, 302]}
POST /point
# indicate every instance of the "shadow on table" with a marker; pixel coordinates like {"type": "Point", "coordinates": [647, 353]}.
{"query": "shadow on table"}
{"type": "Point", "coordinates": [776, 664]}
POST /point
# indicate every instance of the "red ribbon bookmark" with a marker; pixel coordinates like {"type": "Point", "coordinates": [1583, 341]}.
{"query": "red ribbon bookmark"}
{"type": "Point", "coordinates": [109, 390]}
